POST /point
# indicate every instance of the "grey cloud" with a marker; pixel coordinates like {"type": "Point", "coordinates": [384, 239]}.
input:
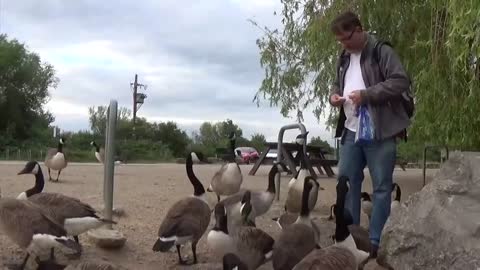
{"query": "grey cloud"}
{"type": "Point", "coordinates": [199, 58]}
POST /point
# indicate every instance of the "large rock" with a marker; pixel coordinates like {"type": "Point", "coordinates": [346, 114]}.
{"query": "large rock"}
{"type": "Point", "coordinates": [439, 226]}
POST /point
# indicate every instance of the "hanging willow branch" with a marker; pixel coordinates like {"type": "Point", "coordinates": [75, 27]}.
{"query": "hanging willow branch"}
{"type": "Point", "coordinates": [436, 39]}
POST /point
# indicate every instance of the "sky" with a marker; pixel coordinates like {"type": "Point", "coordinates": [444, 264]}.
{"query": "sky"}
{"type": "Point", "coordinates": [199, 59]}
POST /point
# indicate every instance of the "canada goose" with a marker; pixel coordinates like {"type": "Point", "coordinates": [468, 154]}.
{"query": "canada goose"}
{"type": "Point", "coordinates": [360, 235]}
{"type": "Point", "coordinates": [293, 202]}
{"type": "Point", "coordinates": [76, 216]}
{"type": "Point", "coordinates": [232, 262]}
{"type": "Point", "coordinates": [261, 200]}
{"type": "Point", "coordinates": [367, 204]}
{"type": "Point", "coordinates": [228, 179]}
{"type": "Point", "coordinates": [99, 152]}
{"type": "Point", "coordinates": [56, 159]}
{"type": "Point", "coordinates": [186, 220]}
{"type": "Point", "coordinates": [31, 228]}
{"type": "Point", "coordinates": [398, 194]}
{"type": "Point", "coordinates": [343, 255]}
{"type": "Point", "coordinates": [252, 245]}
{"type": "Point", "coordinates": [303, 171]}
{"type": "Point", "coordinates": [218, 238]}
{"type": "Point", "coordinates": [287, 219]}
{"type": "Point", "coordinates": [297, 240]}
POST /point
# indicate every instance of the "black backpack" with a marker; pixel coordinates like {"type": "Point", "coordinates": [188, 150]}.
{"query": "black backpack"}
{"type": "Point", "coordinates": [407, 96]}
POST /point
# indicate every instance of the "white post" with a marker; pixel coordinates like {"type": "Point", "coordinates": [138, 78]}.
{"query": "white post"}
{"type": "Point", "coordinates": [109, 165]}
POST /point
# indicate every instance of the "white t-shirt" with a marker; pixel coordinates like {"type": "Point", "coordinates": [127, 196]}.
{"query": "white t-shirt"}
{"type": "Point", "coordinates": [353, 81]}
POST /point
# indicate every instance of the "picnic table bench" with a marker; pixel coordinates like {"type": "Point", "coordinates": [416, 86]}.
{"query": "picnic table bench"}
{"type": "Point", "coordinates": [315, 157]}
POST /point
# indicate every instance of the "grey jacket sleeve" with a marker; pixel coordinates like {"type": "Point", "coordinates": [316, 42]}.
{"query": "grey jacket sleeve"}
{"type": "Point", "coordinates": [396, 80]}
{"type": "Point", "coordinates": [336, 83]}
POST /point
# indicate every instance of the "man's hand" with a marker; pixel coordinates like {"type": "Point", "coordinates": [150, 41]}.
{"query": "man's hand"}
{"type": "Point", "coordinates": [337, 100]}
{"type": "Point", "coordinates": [356, 97]}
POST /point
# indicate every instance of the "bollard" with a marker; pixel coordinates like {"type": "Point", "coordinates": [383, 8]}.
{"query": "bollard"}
{"type": "Point", "coordinates": [109, 165]}
{"type": "Point", "coordinates": [108, 237]}
{"type": "Point", "coordinates": [279, 151]}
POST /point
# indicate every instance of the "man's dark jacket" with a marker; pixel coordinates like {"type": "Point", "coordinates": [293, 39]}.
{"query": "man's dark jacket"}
{"type": "Point", "coordinates": [382, 97]}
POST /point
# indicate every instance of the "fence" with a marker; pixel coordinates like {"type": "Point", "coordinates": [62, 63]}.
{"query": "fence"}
{"type": "Point", "coordinates": [22, 154]}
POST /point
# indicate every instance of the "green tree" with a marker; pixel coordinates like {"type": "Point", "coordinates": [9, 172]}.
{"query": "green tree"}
{"type": "Point", "coordinates": [208, 135]}
{"type": "Point", "coordinates": [319, 142]}
{"type": "Point", "coordinates": [258, 141]}
{"type": "Point", "coordinates": [169, 133]}
{"type": "Point", "coordinates": [437, 40]}
{"type": "Point", "coordinates": [224, 129]}
{"type": "Point", "coordinates": [98, 121]}
{"type": "Point", "coordinates": [24, 88]}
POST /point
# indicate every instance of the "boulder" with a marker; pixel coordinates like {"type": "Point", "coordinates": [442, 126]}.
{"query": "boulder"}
{"type": "Point", "coordinates": [439, 226]}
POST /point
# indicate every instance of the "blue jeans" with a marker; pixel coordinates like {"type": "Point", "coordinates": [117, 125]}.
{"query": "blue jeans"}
{"type": "Point", "coordinates": [380, 158]}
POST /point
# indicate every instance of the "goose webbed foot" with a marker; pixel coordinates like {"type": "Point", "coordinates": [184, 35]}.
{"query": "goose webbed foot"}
{"type": "Point", "coordinates": [58, 176]}
{"type": "Point", "coordinates": [180, 260]}
{"type": "Point", "coordinates": [49, 175]}
{"type": "Point", "coordinates": [194, 251]}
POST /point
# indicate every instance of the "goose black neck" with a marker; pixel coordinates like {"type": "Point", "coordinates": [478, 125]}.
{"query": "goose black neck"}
{"type": "Point", "coordinates": [39, 184]}
{"type": "Point", "coordinates": [341, 229]}
{"type": "Point", "coordinates": [221, 223]}
{"type": "Point", "coordinates": [304, 212]}
{"type": "Point", "coordinates": [398, 194]}
{"type": "Point", "coordinates": [302, 157]}
{"type": "Point", "coordinates": [60, 147]}
{"type": "Point", "coordinates": [232, 150]}
{"type": "Point", "coordinates": [97, 148]}
{"type": "Point", "coordinates": [271, 179]}
{"type": "Point", "coordinates": [197, 185]}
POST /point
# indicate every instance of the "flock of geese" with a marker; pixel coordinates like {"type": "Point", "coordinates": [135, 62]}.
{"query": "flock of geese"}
{"type": "Point", "coordinates": [241, 244]}
{"type": "Point", "coordinates": [40, 222]}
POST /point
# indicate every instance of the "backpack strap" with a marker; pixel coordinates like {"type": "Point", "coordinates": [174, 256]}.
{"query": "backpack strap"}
{"type": "Point", "coordinates": [376, 54]}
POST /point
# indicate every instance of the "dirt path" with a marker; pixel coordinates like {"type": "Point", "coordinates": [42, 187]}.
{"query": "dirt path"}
{"type": "Point", "coordinates": [146, 192]}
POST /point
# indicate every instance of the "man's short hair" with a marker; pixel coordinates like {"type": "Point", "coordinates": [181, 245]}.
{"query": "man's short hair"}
{"type": "Point", "coordinates": [345, 22]}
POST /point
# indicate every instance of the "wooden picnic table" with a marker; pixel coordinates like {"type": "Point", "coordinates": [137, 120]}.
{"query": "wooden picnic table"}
{"type": "Point", "coordinates": [315, 157]}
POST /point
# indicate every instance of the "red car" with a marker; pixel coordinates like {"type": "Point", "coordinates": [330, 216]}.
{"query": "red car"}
{"type": "Point", "coordinates": [246, 154]}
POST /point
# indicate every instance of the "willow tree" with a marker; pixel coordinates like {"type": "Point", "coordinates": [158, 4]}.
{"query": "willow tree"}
{"type": "Point", "coordinates": [437, 40]}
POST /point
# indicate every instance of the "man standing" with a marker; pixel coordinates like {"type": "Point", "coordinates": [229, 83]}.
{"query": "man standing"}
{"type": "Point", "coordinates": [361, 80]}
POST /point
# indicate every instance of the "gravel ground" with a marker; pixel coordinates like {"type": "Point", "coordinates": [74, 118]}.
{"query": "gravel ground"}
{"type": "Point", "coordinates": [146, 191]}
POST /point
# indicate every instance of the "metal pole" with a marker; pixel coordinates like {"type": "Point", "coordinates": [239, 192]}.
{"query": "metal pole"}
{"type": "Point", "coordinates": [425, 158]}
{"type": "Point", "coordinates": [135, 87]}
{"type": "Point", "coordinates": [424, 164]}
{"type": "Point", "coordinates": [109, 162]}
{"type": "Point", "coordinates": [279, 151]}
